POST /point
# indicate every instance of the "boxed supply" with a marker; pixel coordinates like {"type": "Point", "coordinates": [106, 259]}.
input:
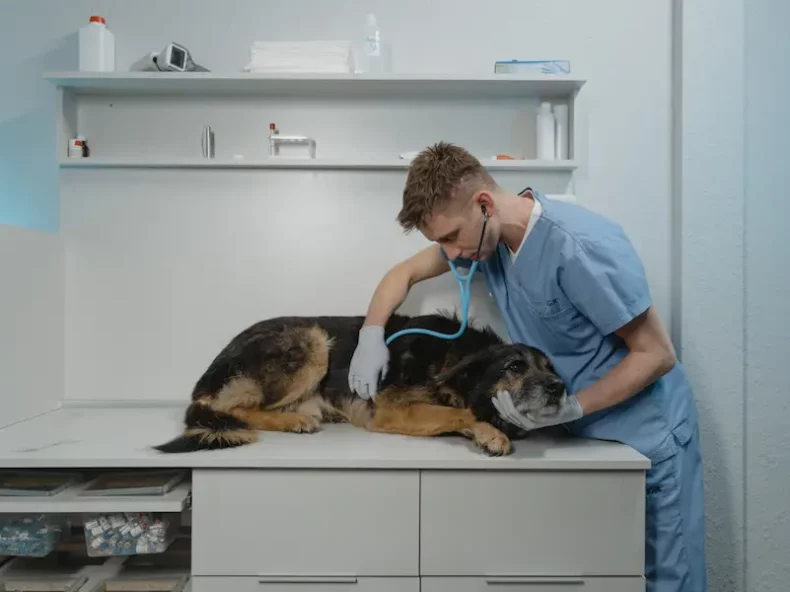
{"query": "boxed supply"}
{"type": "Point", "coordinates": [532, 67]}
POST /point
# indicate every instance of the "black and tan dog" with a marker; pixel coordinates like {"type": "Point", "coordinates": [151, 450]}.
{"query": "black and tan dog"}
{"type": "Point", "coordinates": [291, 374]}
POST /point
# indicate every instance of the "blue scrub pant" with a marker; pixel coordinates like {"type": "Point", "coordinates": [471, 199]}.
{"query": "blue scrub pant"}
{"type": "Point", "coordinates": [675, 518]}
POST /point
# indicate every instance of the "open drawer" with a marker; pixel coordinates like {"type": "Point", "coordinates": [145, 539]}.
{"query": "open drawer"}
{"type": "Point", "coordinates": [56, 573]}
{"type": "Point", "coordinates": [71, 569]}
{"type": "Point", "coordinates": [92, 491]}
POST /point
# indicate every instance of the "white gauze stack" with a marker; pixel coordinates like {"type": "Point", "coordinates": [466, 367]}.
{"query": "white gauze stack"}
{"type": "Point", "coordinates": [301, 56]}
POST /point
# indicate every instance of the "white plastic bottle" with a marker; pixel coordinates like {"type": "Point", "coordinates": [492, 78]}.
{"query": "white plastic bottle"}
{"type": "Point", "coordinates": [561, 131]}
{"type": "Point", "coordinates": [97, 46]}
{"type": "Point", "coordinates": [545, 133]}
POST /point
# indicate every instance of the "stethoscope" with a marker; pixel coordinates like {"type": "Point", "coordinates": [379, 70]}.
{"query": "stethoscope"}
{"type": "Point", "coordinates": [464, 287]}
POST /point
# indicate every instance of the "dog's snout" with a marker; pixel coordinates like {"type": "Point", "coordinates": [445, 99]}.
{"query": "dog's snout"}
{"type": "Point", "coordinates": [555, 389]}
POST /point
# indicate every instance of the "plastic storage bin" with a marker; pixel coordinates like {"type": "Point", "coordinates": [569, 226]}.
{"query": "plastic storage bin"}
{"type": "Point", "coordinates": [126, 534]}
{"type": "Point", "coordinates": [31, 535]}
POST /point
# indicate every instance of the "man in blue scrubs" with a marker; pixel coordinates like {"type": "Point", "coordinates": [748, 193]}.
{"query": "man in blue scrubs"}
{"type": "Point", "coordinates": [569, 282]}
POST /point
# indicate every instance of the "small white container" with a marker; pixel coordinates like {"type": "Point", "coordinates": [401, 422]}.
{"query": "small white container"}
{"type": "Point", "coordinates": [75, 148]}
{"type": "Point", "coordinates": [561, 132]}
{"type": "Point", "coordinates": [96, 46]}
{"type": "Point", "coordinates": [545, 132]}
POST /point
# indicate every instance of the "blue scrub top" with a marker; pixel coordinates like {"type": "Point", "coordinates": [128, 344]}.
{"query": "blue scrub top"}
{"type": "Point", "coordinates": [577, 279]}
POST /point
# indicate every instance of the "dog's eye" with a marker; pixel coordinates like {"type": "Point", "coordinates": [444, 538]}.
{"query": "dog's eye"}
{"type": "Point", "coordinates": [516, 366]}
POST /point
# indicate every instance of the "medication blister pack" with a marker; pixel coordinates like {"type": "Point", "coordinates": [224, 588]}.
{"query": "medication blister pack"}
{"type": "Point", "coordinates": [126, 534]}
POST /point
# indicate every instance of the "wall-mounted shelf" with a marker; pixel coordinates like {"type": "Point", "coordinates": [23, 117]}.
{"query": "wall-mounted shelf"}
{"type": "Point", "coordinates": [361, 122]}
{"type": "Point", "coordinates": [343, 85]}
{"type": "Point", "coordinates": [300, 163]}
{"type": "Point", "coordinates": [144, 131]}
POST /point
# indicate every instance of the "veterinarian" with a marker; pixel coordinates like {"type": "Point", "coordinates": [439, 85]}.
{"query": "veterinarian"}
{"type": "Point", "coordinates": [567, 281]}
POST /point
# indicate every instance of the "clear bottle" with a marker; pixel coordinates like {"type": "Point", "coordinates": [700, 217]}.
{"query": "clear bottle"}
{"type": "Point", "coordinates": [96, 46]}
{"type": "Point", "coordinates": [545, 132]}
{"type": "Point", "coordinates": [376, 52]}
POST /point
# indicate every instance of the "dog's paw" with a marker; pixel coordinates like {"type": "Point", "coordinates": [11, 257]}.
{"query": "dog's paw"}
{"type": "Point", "coordinates": [491, 440]}
{"type": "Point", "coordinates": [304, 424]}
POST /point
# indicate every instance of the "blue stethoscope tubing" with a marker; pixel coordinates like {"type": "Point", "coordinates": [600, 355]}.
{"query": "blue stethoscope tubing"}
{"type": "Point", "coordinates": [465, 288]}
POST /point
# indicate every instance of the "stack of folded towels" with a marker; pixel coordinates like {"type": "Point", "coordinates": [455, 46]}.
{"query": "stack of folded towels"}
{"type": "Point", "coordinates": [301, 56]}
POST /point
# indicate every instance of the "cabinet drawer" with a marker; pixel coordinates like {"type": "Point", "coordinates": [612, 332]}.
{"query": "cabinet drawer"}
{"type": "Point", "coordinates": [311, 522]}
{"type": "Point", "coordinates": [297, 584]}
{"type": "Point", "coordinates": [535, 584]}
{"type": "Point", "coordinates": [532, 523]}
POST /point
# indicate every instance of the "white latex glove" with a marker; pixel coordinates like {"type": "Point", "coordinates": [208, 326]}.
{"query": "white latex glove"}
{"type": "Point", "coordinates": [370, 359]}
{"type": "Point", "coordinates": [569, 410]}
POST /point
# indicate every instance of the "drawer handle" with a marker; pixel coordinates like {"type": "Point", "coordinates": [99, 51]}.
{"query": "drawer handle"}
{"type": "Point", "coordinates": [307, 580]}
{"type": "Point", "coordinates": [536, 581]}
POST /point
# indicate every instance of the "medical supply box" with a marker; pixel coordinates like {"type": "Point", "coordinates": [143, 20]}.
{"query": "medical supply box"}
{"type": "Point", "coordinates": [532, 67]}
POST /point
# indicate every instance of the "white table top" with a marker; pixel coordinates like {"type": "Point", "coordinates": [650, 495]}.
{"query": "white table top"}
{"type": "Point", "coordinates": [109, 436]}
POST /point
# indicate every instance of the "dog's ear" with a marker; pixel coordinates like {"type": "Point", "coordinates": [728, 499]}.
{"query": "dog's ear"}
{"type": "Point", "coordinates": [469, 373]}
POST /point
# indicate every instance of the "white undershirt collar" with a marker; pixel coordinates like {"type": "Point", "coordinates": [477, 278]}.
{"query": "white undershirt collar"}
{"type": "Point", "coordinates": [533, 217]}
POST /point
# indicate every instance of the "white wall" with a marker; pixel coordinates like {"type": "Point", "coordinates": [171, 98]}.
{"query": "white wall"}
{"type": "Point", "coordinates": [767, 294]}
{"type": "Point", "coordinates": [712, 274]}
{"type": "Point", "coordinates": [31, 322]}
{"type": "Point", "coordinates": [735, 286]}
{"type": "Point", "coordinates": [28, 174]}
{"type": "Point", "coordinates": [164, 267]}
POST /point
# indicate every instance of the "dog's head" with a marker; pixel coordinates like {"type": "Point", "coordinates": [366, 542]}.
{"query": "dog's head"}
{"type": "Point", "coordinates": [535, 387]}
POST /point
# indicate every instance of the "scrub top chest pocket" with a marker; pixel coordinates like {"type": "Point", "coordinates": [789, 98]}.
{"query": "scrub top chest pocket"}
{"type": "Point", "coordinates": [550, 320]}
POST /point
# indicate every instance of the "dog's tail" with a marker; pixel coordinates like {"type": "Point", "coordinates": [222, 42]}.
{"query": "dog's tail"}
{"type": "Point", "coordinates": [207, 429]}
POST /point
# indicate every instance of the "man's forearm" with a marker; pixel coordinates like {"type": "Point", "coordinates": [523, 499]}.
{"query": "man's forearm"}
{"type": "Point", "coordinates": [389, 295]}
{"type": "Point", "coordinates": [635, 371]}
{"type": "Point", "coordinates": [396, 283]}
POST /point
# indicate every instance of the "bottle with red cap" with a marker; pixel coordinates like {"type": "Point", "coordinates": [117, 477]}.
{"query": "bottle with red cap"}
{"type": "Point", "coordinates": [97, 46]}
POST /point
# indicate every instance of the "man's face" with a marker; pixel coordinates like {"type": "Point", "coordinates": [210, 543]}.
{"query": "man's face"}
{"type": "Point", "coordinates": [457, 229]}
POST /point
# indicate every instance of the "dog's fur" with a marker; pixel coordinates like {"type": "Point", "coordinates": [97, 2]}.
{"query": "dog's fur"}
{"type": "Point", "coordinates": [291, 374]}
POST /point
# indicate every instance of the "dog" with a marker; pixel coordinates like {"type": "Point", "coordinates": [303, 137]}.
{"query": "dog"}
{"type": "Point", "coordinates": [290, 374]}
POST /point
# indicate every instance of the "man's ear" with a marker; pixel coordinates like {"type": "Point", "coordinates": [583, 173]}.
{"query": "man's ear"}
{"type": "Point", "coordinates": [484, 201]}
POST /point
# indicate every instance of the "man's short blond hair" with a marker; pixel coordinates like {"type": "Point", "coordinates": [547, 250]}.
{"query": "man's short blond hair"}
{"type": "Point", "coordinates": [439, 174]}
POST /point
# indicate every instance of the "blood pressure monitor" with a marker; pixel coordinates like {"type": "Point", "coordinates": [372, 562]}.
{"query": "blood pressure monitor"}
{"type": "Point", "coordinates": [173, 58]}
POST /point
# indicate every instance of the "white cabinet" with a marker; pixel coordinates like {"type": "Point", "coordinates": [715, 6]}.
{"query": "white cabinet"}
{"type": "Point", "coordinates": [534, 584]}
{"type": "Point", "coordinates": [311, 530]}
{"type": "Point", "coordinates": [532, 523]}
{"type": "Point", "coordinates": [556, 516]}
{"type": "Point", "coordinates": [349, 511]}
{"type": "Point", "coordinates": [305, 522]}
{"type": "Point", "coordinates": [305, 584]}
